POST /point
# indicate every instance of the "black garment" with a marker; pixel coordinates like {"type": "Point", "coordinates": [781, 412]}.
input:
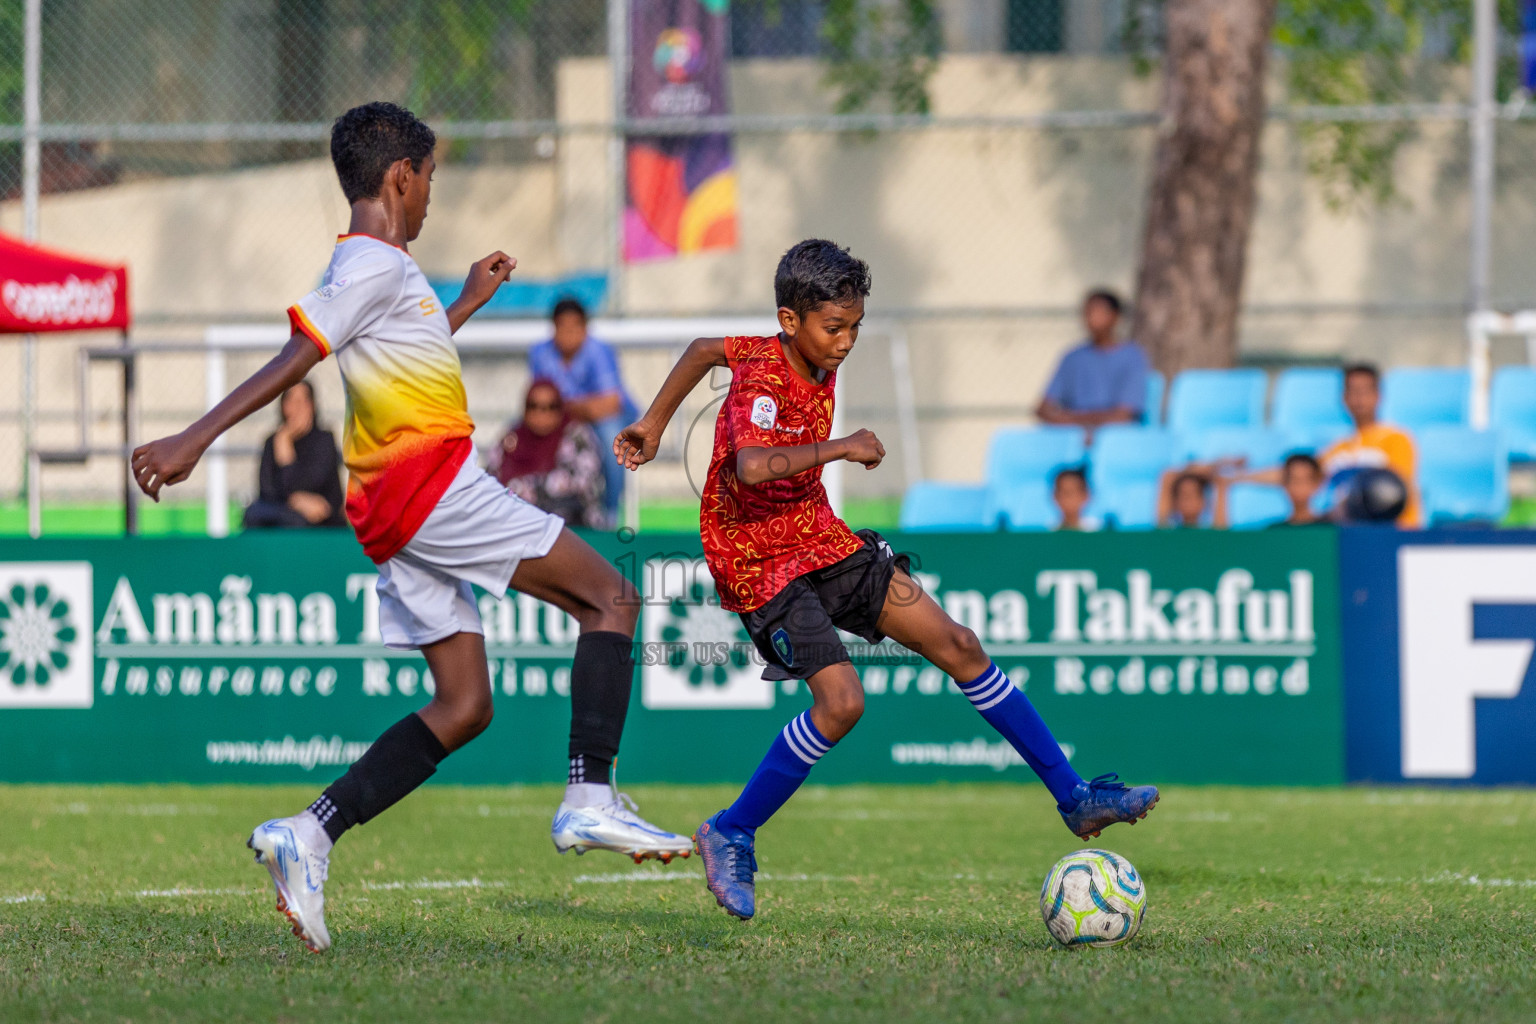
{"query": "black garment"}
{"type": "Point", "coordinates": [316, 467]}
{"type": "Point", "coordinates": [402, 758]}
{"type": "Point", "coordinates": [602, 676]}
{"type": "Point", "coordinates": [796, 632]}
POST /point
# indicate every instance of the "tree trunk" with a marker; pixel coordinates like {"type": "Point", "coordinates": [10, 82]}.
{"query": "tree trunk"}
{"type": "Point", "coordinates": [1189, 286]}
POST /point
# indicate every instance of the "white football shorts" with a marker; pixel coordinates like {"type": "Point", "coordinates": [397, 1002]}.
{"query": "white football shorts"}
{"type": "Point", "coordinates": [478, 533]}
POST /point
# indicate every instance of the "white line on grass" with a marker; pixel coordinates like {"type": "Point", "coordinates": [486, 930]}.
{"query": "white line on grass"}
{"type": "Point", "coordinates": [629, 877]}
{"type": "Point", "coordinates": [29, 898]}
{"type": "Point", "coordinates": [179, 892]}
{"type": "Point", "coordinates": [1458, 878]}
{"type": "Point", "coordinates": [428, 883]}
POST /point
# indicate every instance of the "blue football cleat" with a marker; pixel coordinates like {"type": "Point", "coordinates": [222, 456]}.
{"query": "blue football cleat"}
{"type": "Point", "coordinates": [1105, 800]}
{"type": "Point", "coordinates": [729, 862]}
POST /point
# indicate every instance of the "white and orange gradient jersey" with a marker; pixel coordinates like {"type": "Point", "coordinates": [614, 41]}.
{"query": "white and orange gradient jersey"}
{"type": "Point", "coordinates": [407, 428]}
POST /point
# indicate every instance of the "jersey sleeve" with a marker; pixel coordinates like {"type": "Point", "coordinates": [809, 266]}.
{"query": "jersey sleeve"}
{"type": "Point", "coordinates": [346, 305]}
{"type": "Point", "coordinates": [751, 411]}
{"type": "Point", "coordinates": [751, 407]}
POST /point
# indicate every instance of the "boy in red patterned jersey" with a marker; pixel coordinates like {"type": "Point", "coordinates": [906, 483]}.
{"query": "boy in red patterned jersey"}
{"type": "Point", "coordinates": [795, 573]}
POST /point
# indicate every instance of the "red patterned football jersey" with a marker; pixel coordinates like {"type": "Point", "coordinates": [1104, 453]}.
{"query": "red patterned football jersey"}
{"type": "Point", "coordinates": [758, 539]}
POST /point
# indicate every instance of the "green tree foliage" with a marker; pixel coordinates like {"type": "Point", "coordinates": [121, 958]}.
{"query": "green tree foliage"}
{"type": "Point", "coordinates": [1359, 53]}
{"type": "Point", "coordinates": [454, 50]}
{"type": "Point", "coordinates": [881, 49]}
{"type": "Point", "coordinates": [12, 17]}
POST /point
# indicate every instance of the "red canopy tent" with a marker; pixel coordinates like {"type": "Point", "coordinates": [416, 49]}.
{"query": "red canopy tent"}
{"type": "Point", "coordinates": [44, 291]}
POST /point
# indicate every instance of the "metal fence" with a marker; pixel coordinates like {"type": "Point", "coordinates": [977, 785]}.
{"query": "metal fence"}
{"type": "Point", "coordinates": [189, 139]}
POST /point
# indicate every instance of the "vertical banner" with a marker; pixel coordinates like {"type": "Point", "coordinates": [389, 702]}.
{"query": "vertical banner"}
{"type": "Point", "coordinates": [681, 189]}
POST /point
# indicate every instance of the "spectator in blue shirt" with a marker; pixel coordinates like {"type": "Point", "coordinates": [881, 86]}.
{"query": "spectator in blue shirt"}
{"type": "Point", "coordinates": [587, 374]}
{"type": "Point", "coordinates": [1103, 380]}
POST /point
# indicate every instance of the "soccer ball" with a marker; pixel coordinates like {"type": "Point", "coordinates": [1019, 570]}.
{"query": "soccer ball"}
{"type": "Point", "coordinates": [1093, 898]}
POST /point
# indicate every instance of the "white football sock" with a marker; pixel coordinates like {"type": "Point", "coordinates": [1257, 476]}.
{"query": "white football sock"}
{"type": "Point", "coordinates": [588, 794]}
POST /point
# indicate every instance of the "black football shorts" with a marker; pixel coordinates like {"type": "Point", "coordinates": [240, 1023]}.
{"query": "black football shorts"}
{"type": "Point", "coordinates": [796, 632]}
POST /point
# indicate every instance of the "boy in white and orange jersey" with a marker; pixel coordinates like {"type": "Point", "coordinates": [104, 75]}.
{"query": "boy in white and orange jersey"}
{"type": "Point", "coordinates": [430, 518]}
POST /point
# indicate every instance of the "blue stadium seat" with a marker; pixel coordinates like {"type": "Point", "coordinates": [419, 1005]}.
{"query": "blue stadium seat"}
{"type": "Point", "coordinates": [1259, 445]}
{"type": "Point", "coordinates": [1512, 409]}
{"type": "Point", "coordinates": [929, 505]}
{"type": "Point", "coordinates": [1024, 505]}
{"type": "Point", "coordinates": [1156, 386]}
{"type": "Point", "coordinates": [1309, 407]}
{"type": "Point", "coordinates": [1125, 469]}
{"type": "Point", "coordinates": [1202, 399]}
{"type": "Point", "coordinates": [1255, 506]}
{"type": "Point", "coordinates": [1415, 397]}
{"type": "Point", "coordinates": [1463, 474]}
{"type": "Point", "coordinates": [1032, 454]}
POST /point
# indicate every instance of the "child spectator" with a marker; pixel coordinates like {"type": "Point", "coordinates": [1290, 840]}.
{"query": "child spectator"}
{"type": "Point", "coordinates": [1070, 492]}
{"type": "Point", "coordinates": [1301, 477]}
{"type": "Point", "coordinates": [1184, 499]}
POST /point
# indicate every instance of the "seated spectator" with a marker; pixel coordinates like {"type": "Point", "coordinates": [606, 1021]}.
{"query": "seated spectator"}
{"type": "Point", "coordinates": [1373, 444]}
{"type": "Point", "coordinates": [551, 460]}
{"type": "Point", "coordinates": [299, 482]}
{"type": "Point", "coordinates": [1070, 492]}
{"type": "Point", "coordinates": [1301, 477]}
{"type": "Point", "coordinates": [587, 374]}
{"type": "Point", "coordinates": [1182, 499]}
{"type": "Point", "coordinates": [1102, 380]}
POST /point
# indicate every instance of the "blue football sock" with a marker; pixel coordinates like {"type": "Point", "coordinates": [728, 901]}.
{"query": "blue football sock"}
{"type": "Point", "coordinates": [1007, 710]}
{"type": "Point", "coordinates": [794, 753]}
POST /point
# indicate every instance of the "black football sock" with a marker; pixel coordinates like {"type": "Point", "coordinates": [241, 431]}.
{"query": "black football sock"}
{"type": "Point", "coordinates": [602, 676]}
{"type": "Point", "coordinates": [401, 759]}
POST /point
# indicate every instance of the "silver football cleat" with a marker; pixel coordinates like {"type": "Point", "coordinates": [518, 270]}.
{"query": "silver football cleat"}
{"type": "Point", "coordinates": [615, 826]}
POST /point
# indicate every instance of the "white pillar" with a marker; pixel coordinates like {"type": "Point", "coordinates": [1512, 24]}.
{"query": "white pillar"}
{"type": "Point", "coordinates": [618, 68]}
{"type": "Point", "coordinates": [215, 463]}
{"type": "Point", "coordinates": [1485, 43]}
{"type": "Point", "coordinates": [31, 176]}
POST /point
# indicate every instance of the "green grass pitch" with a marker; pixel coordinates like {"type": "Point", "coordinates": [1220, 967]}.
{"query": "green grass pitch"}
{"type": "Point", "coordinates": [875, 904]}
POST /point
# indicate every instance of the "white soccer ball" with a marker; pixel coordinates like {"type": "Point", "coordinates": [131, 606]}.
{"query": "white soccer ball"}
{"type": "Point", "coordinates": [1093, 898]}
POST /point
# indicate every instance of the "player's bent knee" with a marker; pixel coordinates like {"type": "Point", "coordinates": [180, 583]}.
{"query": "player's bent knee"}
{"type": "Point", "coordinates": [844, 710]}
{"type": "Point", "coordinates": [966, 644]}
{"type": "Point", "coordinates": [469, 718]}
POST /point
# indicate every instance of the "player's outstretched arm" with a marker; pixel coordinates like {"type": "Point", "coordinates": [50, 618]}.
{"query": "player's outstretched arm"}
{"type": "Point", "coordinates": [636, 444]}
{"type": "Point", "coordinates": [485, 276]}
{"type": "Point", "coordinates": [170, 460]}
{"type": "Point", "coordinates": [759, 465]}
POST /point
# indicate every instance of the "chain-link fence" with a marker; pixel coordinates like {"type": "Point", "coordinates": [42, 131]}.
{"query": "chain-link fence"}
{"type": "Point", "coordinates": [189, 140]}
